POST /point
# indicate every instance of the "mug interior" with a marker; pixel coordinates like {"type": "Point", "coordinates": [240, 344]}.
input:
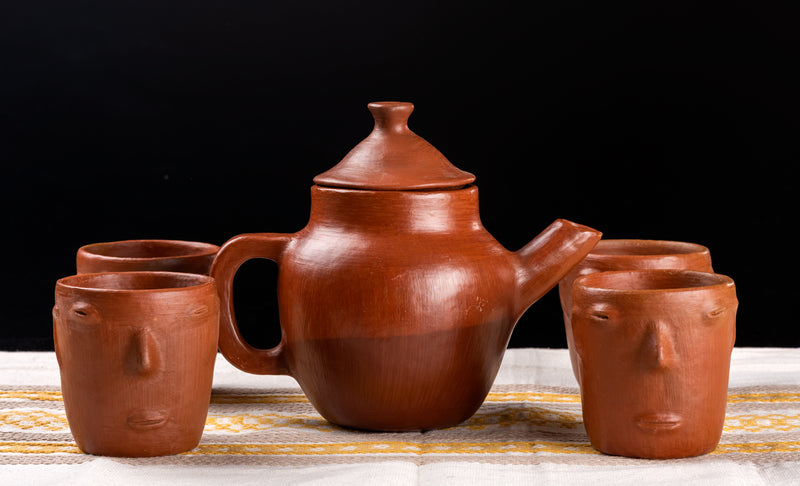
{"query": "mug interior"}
{"type": "Point", "coordinates": [132, 281]}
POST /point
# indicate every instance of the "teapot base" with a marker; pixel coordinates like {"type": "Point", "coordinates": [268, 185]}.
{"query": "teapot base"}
{"type": "Point", "coordinates": [402, 383]}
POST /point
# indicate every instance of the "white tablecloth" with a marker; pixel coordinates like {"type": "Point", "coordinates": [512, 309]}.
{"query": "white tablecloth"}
{"type": "Point", "coordinates": [262, 430]}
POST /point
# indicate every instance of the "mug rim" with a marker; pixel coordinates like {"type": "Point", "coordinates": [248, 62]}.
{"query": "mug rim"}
{"type": "Point", "coordinates": [192, 249]}
{"type": "Point", "coordinates": [91, 282]}
{"type": "Point", "coordinates": [644, 248]}
{"type": "Point", "coordinates": [691, 281]}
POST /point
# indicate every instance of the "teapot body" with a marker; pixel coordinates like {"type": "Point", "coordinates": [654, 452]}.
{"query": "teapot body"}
{"type": "Point", "coordinates": [395, 307]}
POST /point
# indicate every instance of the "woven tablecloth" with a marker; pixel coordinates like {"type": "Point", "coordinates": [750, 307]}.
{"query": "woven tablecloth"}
{"type": "Point", "coordinates": [262, 430]}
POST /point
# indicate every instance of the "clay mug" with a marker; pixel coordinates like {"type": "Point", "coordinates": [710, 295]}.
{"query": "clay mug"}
{"type": "Point", "coordinates": [146, 255]}
{"type": "Point", "coordinates": [136, 352]}
{"type": "Point", "coordinates": [655, 349]}
{"type": "Point", "coordinates": [629, 254]}
{"type": "Point", "coordinates": [395, 303]}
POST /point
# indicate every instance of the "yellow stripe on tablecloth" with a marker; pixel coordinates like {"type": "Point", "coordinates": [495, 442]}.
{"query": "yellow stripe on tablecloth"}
{"type": "Point", "coordinates": [252, 422]}
{"type": "Point", "coordinates": [533, 397]}
{"type": "Point", "coordinates": [763, 397]}
{"type": "Point", "coordinates": [395, 448]}
{"type": "Point", "coordinates": [34, 419]}
{"type": "Point", "coordinates": [759, 423]}
{"type": "Point", "coordinates": [36, 395]}
{"type": "Point", "coordinates": [39, 448]}
{"type": "Point", "coordinates": [455, 448]}
{"type": "Point", "coordinates": [341, 448]}
{"type": "Point", "coordinates": [757, 447]}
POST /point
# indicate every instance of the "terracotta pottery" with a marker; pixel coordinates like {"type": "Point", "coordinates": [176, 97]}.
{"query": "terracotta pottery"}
{"type": "Point", "coordinates": [628, 254]}
{"type": "Point", "coordinates": [146, 255]}
{"type": "Point", "coordinates": [655, 349]}
{"type": "Point", "coordinates": [136, 352]}
{"type": "Point", "coordinates": [396, 305]}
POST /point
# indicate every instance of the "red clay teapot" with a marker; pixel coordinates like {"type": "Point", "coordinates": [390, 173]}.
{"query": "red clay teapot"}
{"type": "Point", "coordinates": [396, 305]}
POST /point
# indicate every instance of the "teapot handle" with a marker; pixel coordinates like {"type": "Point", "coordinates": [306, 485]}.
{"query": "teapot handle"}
{"type": "Point", "coordinates": [232, 345]}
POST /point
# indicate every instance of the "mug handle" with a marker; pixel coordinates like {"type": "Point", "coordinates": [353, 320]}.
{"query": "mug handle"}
{"type": "Point", "coordinates": [232, 345]}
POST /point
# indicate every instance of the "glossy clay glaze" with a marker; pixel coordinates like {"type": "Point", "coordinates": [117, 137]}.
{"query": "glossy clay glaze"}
{"type": "Point", "coordinates": [396, 305]}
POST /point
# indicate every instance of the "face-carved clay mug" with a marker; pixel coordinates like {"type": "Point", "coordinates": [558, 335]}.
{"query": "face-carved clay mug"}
{"type": "Point", "coordinates": [136, 353]}
{"type": "Point", "coordinates": [629, 254]}
{"type": "Point", "coordinates": [146, 255]}
{"type": "Point", "coordinates": [654, 348]}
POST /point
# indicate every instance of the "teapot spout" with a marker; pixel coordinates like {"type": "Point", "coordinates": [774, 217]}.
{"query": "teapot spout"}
{"type": "Point", "coordinates": [548, 258]}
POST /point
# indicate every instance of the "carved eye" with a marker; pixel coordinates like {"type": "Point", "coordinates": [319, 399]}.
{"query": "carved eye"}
{"type": "Point", "coordinates": [199, 310]}
{"type": "Point", "coordinates": [84, 312]}
{"type": "Point", "coordinates": [601, 313]}
{"type": "Point", "coordinates": [717, 312]}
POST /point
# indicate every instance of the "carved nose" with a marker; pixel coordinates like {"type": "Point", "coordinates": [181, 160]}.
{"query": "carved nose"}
{"type": "Point", "coordinates": [143, 356]}
{"type": "Point", "coordinates": [658, 348]}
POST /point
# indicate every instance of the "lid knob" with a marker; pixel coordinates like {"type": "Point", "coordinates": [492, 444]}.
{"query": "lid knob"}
{"type": "Point", "coordinates": [393, 157]}
{"type": "Point", "coordinates": [391, 115]}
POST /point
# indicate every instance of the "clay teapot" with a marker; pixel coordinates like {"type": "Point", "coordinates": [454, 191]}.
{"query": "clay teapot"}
{"type": "Point", "coordinates": [396, 305]}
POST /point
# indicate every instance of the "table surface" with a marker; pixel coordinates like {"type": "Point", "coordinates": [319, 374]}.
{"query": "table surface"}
{"type": "Point", "coordinates": [262, 430]}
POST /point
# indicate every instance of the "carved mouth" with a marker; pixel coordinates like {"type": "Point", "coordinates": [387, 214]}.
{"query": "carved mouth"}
{"type": "Point", "coordinates": [658, 421]}
{"type": "Point", "coordinates": [146, 420]}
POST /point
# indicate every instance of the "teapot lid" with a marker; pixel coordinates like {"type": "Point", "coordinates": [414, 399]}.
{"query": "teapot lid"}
{"type": "Point", "coordinates": [393, 157]}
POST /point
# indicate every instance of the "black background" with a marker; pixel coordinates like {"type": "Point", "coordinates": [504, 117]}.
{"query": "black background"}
{"type": "Point", "coordinates": [203, 120]}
